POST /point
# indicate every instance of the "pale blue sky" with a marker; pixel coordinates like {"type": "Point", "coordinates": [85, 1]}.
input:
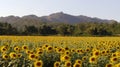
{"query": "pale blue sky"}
{"type": "Point", "coordinates": [105, 9]}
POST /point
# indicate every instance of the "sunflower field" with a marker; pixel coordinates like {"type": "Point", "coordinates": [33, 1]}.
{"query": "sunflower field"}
{"type": "Point", "coordinates": [56, 51]}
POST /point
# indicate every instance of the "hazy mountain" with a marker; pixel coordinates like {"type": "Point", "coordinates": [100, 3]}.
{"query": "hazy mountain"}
{"type": "Point", "coordinates": [9, 19]}
{"type": "Point", "coordinates": [55, 17]}
{"type": "Point", "coordinates": [66, 18]}
{"type": "Point", "coordinates": [61, 17]}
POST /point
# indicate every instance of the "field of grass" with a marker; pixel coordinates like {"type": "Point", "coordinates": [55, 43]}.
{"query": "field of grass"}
{"type": "Point", "coordinates": [53, 51]}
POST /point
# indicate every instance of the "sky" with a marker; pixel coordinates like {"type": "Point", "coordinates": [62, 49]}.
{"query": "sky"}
{"type": "Point", "coordinates": [104, 9]}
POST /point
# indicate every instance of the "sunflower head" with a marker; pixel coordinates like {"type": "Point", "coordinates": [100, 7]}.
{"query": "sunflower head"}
{"type": "Point", "coordinates": [114, 54]}
{"type": "Point", "coordinates": [96, 53]}
{"type": "Point", "coordinates": [77, 65]}
{"type": "Point", "coordinates": [68, 64]}
{"type": "Point", "coordinates": [103, 52]}
{"type": "Point", "coordinates": [19, 55]}
{"type": "Point", "coordinates": [67, 52]}
{"type": "Point", "coordinates": [84, 58]}
{"type": "Point", "coordinates": [17, 49]}
{"type": "Point", "coordinates": [28, 51]}
{"type": "Point", "coordinates": [24, 47]}
{"type": "Point", "coordinates": [39, 52]}
{"type": "Point", "coordinates": [114, 59]}
{"type": "Point", "coordinates": [87, 49]}
{"type": "Point", "coordinates": [60, 50]}
{"type": "Point", "coordinates": [93, 59]}
{"type": "Point", "coordinates": [72, 50]}
{"type": "Point", "coordinates": [3, 49]}
{"type": "Point", "coordinates": [46, 45]}
{"type": "Point", "coordinates": [32, 56]}
{"type": "Point", "coordinates": [5, 56]}
{"type": "Point", "coordinates": [38, 63]}
{"type": "Point", "coordinates": [57, 64]}
{"type": "Point", "coordinates": [78, 61]}
{"type": "Point", "coordinates": [49, 49]}
{"type": "Point", "coordinates": [13, 55]}
{"type": "Point", "coordinates": [108, 65]}
{"type": "Point", "coordinates": [66, 48]}
{"type": "Point", "coordinates": [65, 58]}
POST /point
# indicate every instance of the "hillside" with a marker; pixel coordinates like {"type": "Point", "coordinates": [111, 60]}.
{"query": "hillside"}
{"type": "Point", "coordinates": [59, 17]}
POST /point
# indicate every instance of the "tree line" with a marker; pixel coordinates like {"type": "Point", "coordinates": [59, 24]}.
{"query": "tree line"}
{"type": "Point", "coordinates": [63, 29]}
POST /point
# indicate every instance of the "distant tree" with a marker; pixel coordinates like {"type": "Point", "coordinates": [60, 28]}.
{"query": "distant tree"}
{"type": "Point", "coordinates": [92, 31]}
{"type": "Point", "coordinates": [87, 28]}
{"type": "Point", "coordinates": [30, 30]}
{"type": "Point", "coordinates": [103, 32]}
{"type": "Point", "coordinates": [65, 29]}
{"type": "Point", "coordinates": [47, 30]}
{"type": "Point", "coordinates": [7, 29]}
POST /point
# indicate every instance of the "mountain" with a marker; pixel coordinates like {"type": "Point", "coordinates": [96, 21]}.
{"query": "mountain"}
{"type": "Point", "coordinates": [9, 19]}
{"type": "Point", "coordinates": [59, 17]}
{"type": "Point", "coordinates": [66, 18]}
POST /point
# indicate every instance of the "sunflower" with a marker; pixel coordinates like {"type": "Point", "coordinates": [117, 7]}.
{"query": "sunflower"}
{"type": "Point", "coordinates": [65, 58]}
{"type": "Point", "coordinates": [28, 51]}
{"type": "Point", "coordinates": [66, 48]}
{"type": "Point", "coordinates": [46, 45]}
{"type": "Point", "coordinates": [57, 64]}
{"type": "Point", "coordinates": [39, 52]}
{"type": "Point", "coordinates": [32, 56]}
{"type": "Point", "coordinates": [13, 55]}
{"type": "Point", "coordinates": [96, 53]}
{"type": "Point", "coordinates": [108, 65]}
{"type": "Point", "coordinates": [60, 50]}
{"type": "Point", "coordinates": [87, 49]}
{"type": "Point", "coordinates": [17, 49]}
{"type": "Point", "coordinates": [77, 65]}
{"type": "Point", "coordinates": [114, 59]}
{"type": "Point", "coordinates": [67, 64]}
{"type": "Point", "coordinates": [49, 49]}
{"type": "Point", "coordinates": [24, 47]}
{"type": "Point", "coordinates": [114, 54]}
{"type": "Point", "coordinates": [19, 55]}
{"type": "Point", "coordinates": [5, 56]}
{"type": "Point", "coordinates": [77, 50]}
{"type": "Point", "coordinates": [84, 58]}
{"type": "Point", "coordinates": [118, 47]}
{"type": "Point", "coordinates": [103, 52]}
{"type": "Point", "coordinates": [38, 63]}
{"type": "Point", "coordinates": [67, 52]}
{"type": "Point", "coordinates": [73, 50]}
{"type": "Point", "coordinates": [55, 47]}
{"type": "Point", "coordinates": [107, 51]}
{"type": "Point", "coordinates": [93, 59]}
{"type": "Point", "coordinates": [3, 49]}
{"type": "Point", "coordinates": [78, 61]}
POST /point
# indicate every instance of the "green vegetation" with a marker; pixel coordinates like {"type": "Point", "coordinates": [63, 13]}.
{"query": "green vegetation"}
{"type": "Point", "coordinates": [63, 29]}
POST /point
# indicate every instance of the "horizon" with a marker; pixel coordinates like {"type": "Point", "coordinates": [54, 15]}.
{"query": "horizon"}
{"type": "Point", "coordinates": [100, 9]}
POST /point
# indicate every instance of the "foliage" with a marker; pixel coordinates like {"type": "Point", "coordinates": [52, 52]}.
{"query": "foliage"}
{"type": "Point", "coordinates": [63, 29]}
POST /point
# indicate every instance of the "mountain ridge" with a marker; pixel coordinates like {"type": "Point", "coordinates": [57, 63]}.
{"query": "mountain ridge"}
{"type": "Point", "coordinates": [59, 17]}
